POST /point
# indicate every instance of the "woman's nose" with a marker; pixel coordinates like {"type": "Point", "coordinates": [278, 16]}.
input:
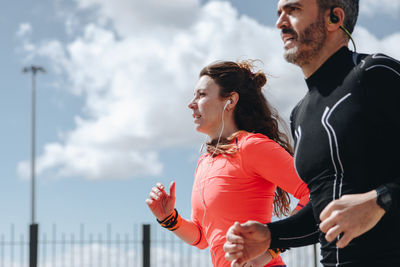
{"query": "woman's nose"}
{"type": "Point", "coordinates": [191, 104]}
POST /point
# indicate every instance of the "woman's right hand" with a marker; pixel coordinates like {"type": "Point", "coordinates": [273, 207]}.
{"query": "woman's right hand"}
{"type": "Point", "coordinates": [160, 202]}
{"type": "Point", "coordinates": [260, 261]}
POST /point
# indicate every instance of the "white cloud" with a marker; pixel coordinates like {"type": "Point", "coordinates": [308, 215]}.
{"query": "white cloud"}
{"type": "Point", "coordinates": [136, 86]}
{"type": "Point", "coordinates": [372, 7]}
{"type": "Point", "coordinates": [367, 43]}
{"type": "Point", "coordinates": [24, 33]}
{"type": "Point", "coordinates": [138, 17]}
{"type": "Point", "coordinates": [24, 29]}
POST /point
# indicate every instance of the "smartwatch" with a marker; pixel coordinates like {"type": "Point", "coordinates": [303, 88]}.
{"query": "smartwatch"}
{"type": "Point", "coordinates": [384, 198]}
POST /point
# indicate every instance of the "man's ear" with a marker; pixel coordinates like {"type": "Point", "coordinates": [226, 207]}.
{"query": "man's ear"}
{"type": "Point", "coordinates": [335, 18]}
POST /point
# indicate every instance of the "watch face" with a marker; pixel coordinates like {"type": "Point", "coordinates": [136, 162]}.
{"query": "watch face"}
{"type": "Point", "coordinates": [386, 199]}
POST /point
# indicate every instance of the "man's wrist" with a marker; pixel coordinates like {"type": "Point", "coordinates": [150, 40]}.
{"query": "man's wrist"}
{"type": "Point", "coordinates": [384, 198]}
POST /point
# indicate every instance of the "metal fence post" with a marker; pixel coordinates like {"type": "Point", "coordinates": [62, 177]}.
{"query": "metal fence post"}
{"type": "Point", "coordinates": [33, 244]}
{"type": "Point", "coordinates": [146, 245]}
{"type": "Point", "coordinates": [315, 255]}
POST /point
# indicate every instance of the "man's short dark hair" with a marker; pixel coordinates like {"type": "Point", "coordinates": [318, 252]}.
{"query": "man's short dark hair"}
{"type": "Point", "coordinates": [350, 8]}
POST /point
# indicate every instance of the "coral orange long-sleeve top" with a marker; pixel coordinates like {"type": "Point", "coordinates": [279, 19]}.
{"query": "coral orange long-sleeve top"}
{"type": "Point", "coordinates": [241, 187]}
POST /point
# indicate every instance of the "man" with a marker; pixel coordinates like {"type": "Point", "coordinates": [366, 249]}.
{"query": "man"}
{"type": "Point", "coordinates": [346, 145]}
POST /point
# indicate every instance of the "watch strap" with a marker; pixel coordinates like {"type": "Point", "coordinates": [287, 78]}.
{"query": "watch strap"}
{"type": "Point", "coordinates": [384, 198]}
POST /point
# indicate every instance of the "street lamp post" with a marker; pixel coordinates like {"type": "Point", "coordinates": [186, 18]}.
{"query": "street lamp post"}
{"type": "Point", "coordinates": [34, 227]}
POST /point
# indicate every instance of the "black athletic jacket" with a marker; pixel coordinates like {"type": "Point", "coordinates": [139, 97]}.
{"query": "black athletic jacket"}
{"type": "Point", "coordinates": [346, 132]}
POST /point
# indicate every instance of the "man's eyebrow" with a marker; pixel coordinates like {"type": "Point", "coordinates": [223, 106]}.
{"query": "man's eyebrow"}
{"type": "Point", "coordinates": [287, 6]}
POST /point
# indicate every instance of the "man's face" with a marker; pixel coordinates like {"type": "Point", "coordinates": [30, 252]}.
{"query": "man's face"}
{"type": "Point", "coordinates": [302, 30]}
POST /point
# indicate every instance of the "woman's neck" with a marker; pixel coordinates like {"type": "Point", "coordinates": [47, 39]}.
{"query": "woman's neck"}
{"type": "Point", "coordinates": [228, 130]}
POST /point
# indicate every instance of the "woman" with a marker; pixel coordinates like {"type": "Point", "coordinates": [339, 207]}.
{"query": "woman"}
{"type": "Point", "coordinates": [247, 167]}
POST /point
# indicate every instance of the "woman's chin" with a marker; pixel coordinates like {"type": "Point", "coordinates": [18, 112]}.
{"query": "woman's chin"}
{"type": "Point", "coordinates": [200, 129]}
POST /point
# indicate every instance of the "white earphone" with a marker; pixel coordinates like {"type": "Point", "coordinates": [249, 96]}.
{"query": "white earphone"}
{"type": "Point", "coordinates": [227, 103]}
{"type": "Point", "coordinates": [200, 189]}
{"type": "Point", "coordinates": [223, 124]}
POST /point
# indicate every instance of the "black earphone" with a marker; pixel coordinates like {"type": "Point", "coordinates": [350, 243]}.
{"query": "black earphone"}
{"type": "Point", "coordinates": [333, 19]}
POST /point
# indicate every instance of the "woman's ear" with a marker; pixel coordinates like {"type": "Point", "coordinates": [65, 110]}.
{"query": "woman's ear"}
{"type": "Point", "coordinates": [234, 98]}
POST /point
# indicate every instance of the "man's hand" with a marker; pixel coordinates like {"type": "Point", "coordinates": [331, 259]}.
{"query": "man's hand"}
{"type": "Point", "coordinates": [246, 241]}
{"type": "Point", "coordinates": [352, 215]}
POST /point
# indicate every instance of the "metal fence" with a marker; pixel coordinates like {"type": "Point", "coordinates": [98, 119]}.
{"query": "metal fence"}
{"type": "Point", "coordinates": [144, 245]}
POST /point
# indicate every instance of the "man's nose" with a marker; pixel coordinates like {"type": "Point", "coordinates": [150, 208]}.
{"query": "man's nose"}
{"type": "Point", "coordinates": [282, 21]}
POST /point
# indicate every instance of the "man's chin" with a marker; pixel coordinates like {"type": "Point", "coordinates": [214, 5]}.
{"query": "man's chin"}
{"type": "Point", "coordinates": [290, 44]}
{"type": "Point", "coordinates": [291, 54]}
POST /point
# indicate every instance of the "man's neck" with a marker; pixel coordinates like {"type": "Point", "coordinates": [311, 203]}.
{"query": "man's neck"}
{"type": "Point", "coordinates": [319, 59]}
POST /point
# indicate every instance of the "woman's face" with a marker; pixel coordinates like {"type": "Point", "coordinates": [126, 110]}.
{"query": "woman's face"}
{"type": "Point", "coordinates": [207, 107]}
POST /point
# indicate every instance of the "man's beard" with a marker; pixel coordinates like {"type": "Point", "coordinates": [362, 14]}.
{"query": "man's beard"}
{"type": "Point", "coordinates": [309, 43]}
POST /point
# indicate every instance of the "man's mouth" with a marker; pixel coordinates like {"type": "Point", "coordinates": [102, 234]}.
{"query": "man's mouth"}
{"type": "Point", "coordinates": [287, 38]}
{"type": "Point", "coordinates": [288, 35]}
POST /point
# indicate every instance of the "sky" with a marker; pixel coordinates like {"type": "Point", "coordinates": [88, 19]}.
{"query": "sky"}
{"type": "Point", "coordinates": [112, 116]}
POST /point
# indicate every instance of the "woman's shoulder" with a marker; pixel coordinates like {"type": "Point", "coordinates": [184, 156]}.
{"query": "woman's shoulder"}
{"type": "Point", "coordinates": [253, 137]}
{"type": "Point", "coordinates": [247, 139]}
{"type": "Point", "coordinates": [256, 148]}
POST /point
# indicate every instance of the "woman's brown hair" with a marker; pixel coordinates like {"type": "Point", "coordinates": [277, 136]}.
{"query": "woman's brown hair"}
{"type": "Point", "coordinates": [252, 113]}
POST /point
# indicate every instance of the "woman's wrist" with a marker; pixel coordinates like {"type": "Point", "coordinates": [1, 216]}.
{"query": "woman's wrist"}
{"type": "Point", "coordinates": [160, 220]}
{"type": "Point", "coordinates": [172, 222]}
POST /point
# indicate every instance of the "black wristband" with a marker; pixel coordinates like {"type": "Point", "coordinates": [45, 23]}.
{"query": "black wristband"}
{"type": "Point", "coordinates": [168, 217]}
{"type": "Point", "coordinates": [384, 198]}
{"type": "Point", "coordinates": [171, 221]}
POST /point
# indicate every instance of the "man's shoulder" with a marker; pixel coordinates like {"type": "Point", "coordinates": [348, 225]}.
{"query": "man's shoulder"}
{"type": "Point", "coordinates": [370, 68]}
{"type": "Point", "coordinates": [294, 110]}
{"type": "Point", "coordinates": [369, 61]}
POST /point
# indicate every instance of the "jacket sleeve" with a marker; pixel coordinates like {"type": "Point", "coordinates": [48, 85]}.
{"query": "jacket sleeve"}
{"type": "Point", "coordinates": [297, 230]}
{"type": "Point", "coordinates": [196, 216]}
{"type": "Point", "coordinates": [201, 242]}
{"type": "Point", "coordinates": [381, 79]}
{"type": "Point", "coordinates": [267, 159]}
